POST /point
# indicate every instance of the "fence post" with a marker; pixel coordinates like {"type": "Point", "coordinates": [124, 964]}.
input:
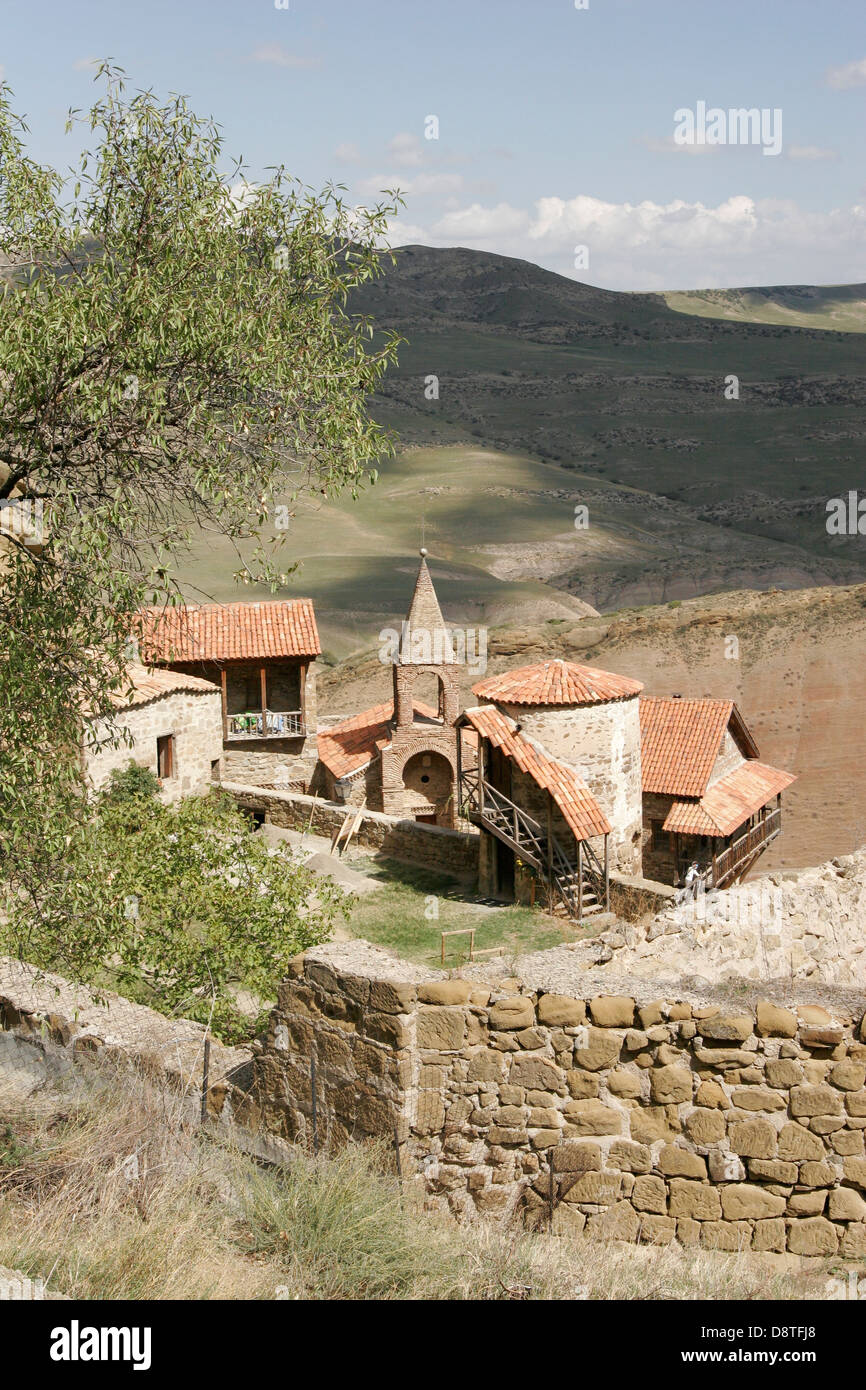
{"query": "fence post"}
{"type": "Point", "coordinates": [550, 1185]}
{"type": "Point", "coordinates": [205, 1077]}
{"type": "Point", "coordinates": [315, 1113]}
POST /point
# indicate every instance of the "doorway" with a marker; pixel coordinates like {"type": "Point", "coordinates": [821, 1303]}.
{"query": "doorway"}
{"type": "Point", "coordinates": [504, 871]}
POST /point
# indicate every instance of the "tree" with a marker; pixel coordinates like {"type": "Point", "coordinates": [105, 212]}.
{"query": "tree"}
{"type": "Point", "coordinates": [198, 906]}
{"type": "Point", "coordinates": [175, 349]}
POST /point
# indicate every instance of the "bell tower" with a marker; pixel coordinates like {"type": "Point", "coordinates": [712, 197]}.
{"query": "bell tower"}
{"type": "Point", "coordinates": [426, 646]}
{"type": "Point", "coordinates": [419, 765]}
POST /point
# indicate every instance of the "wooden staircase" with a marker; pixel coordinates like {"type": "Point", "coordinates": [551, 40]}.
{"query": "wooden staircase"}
{"type": "Point", "coordinates": [578, 890]}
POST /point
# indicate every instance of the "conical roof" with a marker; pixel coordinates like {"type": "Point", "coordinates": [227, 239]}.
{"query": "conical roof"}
{"type": "Point", "coordinates": [557, 682]}
{"type": "Point", "coordinates": [426, 639]}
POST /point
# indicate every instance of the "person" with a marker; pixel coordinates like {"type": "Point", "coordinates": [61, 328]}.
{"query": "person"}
{"type": "Point", "coordinates": [693, 881]}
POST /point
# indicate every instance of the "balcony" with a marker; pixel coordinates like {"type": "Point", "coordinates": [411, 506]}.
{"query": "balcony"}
{"type": "Point", "coordinates": [732, 863]}
{"type": "Point", "coordinates": [264, 724]}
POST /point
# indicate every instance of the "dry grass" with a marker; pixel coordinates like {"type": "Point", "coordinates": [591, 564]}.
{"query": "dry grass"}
{"type": "Point", "coordinates": [195, 1220]}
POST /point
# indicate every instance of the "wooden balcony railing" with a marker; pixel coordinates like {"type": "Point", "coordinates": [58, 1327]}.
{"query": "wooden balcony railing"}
{"type": "Point", "coordinates": [582, 885]}
{"type": "Point", "coordinates": [742, 851]}
{"type": "Point", "coordinates": [268, 724]}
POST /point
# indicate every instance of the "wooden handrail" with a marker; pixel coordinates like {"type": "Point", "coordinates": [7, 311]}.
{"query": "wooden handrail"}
{"type": "Point", "coordinates": [742, 849]}
{"type": "Point", "coordinates": [540, 848]}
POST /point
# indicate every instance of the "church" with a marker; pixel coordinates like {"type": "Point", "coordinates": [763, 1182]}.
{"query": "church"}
{"type": "Point", "coordinates": [402, 757]}
{"type": "Point", "coordinates": [568, 772]}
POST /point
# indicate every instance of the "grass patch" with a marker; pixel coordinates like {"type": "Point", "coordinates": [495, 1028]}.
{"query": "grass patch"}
{"type": "Point", "coordinates": [415, 905]}
{"type": "Point", "coordinates": [193, 1220]}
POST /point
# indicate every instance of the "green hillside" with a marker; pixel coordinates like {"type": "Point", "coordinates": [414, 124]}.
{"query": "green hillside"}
{"type": "Point", "coordinates": [554, 395]}
{"type": "Point", "coordinates": [838, 307]}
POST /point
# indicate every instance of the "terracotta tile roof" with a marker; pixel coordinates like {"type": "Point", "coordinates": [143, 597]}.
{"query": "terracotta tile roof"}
{"type": "Point", "coordinates": [230, 631]}
{"type": "Point", "coordinates": [349, 746]}
{"type": "Point", "coordinates": [680, 741]}
{"type": "Point", "coordinates": [557, 683]}
{"type": "Point", "coordinates": [574, 799]}
{"type": "Point", "coordinates": [145, 685]}
{"type": "Point", "coordinates": [730, 801]}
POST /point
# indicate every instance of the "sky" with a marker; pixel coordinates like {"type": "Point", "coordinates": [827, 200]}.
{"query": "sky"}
{"type": "Point", "coordinates": [555, 134]}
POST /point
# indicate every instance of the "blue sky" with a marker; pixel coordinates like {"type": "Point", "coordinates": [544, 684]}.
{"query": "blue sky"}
{"type": "Point", "coordinates": [555, 124]}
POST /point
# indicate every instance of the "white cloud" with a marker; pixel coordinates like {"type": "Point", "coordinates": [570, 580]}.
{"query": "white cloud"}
{"type": "Point", "coordinates": [849, 75]}
{"type": "Point", "coordinates": [406, 150]}
{"type": "Point", "coordinates": [82, 64]}
{"type": "Point", "coordinates": [810, 152]}
{"type": "Point", "coordinates": [347, 153]}
{"type": "Point", "coordinates": [477, 224]}
{"type": "Point", "coordinates": [654, 246]}
{"type": "Point", "coordinates": [417, 184]}
{"type": "Point", "coordinates": [278, 56]}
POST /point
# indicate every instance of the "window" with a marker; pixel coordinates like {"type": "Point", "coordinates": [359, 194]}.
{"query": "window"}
{"type": "Point", "coordinates": [659, 837]}
{"type": "Point", "coordinates": [165, 756]}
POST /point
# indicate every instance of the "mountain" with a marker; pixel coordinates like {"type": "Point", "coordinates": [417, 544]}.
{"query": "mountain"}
{"type": "Point", "coordinates": [838, 307]}
{"type": "Point", "coordinates": [522, 397]}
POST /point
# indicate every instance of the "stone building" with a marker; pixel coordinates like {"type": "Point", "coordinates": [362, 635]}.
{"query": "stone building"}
{"type": "Point", "coordinates": [557, 788]}
{"type": "Point", "coordinates": [707, 800]}
{"type": "Point", "coordinates": [173, 725]}
{"type": "Point", "coordinates": [401, 756]}
{"type": "Point", "coordinates": [580, 775]}
{"type": "Point", "coordinates": [261, 656]}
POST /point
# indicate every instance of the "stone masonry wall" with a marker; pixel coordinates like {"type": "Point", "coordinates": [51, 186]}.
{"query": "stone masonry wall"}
{"type": "Point", "coordinates": [602, 743]}
{"type": "Point", "coordinates": [195, 720]}
{"type": "Point", "coordinates": [432, 846]}
{"type": "Point", "coordinates": [729, 1127]}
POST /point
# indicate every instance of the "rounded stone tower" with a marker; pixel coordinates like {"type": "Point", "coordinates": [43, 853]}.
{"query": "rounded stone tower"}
{"type": "Point", "coordinates": [589, 719]}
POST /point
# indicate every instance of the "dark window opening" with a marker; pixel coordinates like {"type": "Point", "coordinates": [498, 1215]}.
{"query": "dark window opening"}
{"type": "Point", "coordinates": [165, 756]}
{"type": "Point", "coordinates": [215, 770]}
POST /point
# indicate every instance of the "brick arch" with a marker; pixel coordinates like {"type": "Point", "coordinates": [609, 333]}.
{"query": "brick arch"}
{"type": "Point", "coordinates": [405, 680]}
{"type": "Point", "coordinates": [423, 745]}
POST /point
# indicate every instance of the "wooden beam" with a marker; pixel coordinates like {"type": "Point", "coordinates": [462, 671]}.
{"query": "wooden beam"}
{"type": "Point", "coordinates": [606, 877]}
{"type": "Point", "coordinates": [550, 840]}
{"type": "Point", "coordinates": [579, 880]}
{"type": "Point", "coordinates": [224, 684]}
{"type": "Point", "coordinates": [305, 666]}
{"type": "Point", "coordinates": [263, 675]}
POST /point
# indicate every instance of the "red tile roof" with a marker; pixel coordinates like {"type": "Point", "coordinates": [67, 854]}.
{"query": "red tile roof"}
{"type": "Point", "coordinates": [347, 747]}
{"type": "Point", "coordinates": [574, 799]}
{"type": "Point", "coordinates": [230, 631]}
{"type": "Point", "coordinates": [730, 801]}
{"type": "Point", "coordinates": [145, 686]}
{"type": "Point", "coordinates": [557, 682]}
{"type": "Point", "coordinates": [681, 739]}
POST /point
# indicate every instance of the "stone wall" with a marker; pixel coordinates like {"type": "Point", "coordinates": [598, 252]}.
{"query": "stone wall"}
{"type": "Point", "coordinates": [729, 1127]}
{"type": "Point", "coordinates": [633, 897]}
{"type": "Point", "coordinates": [195, 720]}
{"type": "Point", "coordinates": [659, 860]}
{"type": "Point", "coordinates": [431, 846]}
{"type": "Point", "coordinates": [602, 744]}
{"type": "Point", "coordinates": [271, 762]}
